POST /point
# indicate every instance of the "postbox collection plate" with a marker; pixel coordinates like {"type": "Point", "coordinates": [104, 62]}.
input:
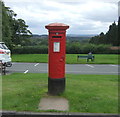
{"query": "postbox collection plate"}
{"type": "Point", "coordinates": [56, 47]}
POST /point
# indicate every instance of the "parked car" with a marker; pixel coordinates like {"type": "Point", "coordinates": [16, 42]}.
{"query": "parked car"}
{"type": "Point", "coordinates": [5, 55]}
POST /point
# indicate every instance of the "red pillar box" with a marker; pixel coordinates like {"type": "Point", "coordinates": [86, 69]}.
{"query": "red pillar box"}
{"type": "Point", "coordinates": [57, 49]}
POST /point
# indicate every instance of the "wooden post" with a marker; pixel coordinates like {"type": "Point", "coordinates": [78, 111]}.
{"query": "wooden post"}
{"type": "Point", "coordinates": [2, 68]}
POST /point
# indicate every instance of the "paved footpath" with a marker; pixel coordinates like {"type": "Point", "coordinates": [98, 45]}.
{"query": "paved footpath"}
{"type": "Point", "coordinates": [54, 103]}
{"type": "Point", "coordinates": [70, 68]}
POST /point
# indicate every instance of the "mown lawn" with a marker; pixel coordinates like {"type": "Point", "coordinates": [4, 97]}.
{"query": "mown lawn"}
{"type": "Point", "coordinates": [85, 93]}
{"type": "Point", "coordinates": [70, 58]}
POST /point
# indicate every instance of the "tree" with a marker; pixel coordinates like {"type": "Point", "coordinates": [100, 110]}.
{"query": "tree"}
{"type": "Point", "coordinates": [112, 34]}
{"type": "Point", "coordinates": [6, 29]}
{"type": "Point", "coordinates": [111, 37]}
{"type": "Point", "coordinates": [14, 31]}
{"type": "Point", "coordinates": [118, 32]}
{"type": "Point", "coordinates": [20, 32]}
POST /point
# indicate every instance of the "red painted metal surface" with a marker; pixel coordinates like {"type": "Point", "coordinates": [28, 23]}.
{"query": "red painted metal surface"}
{"type": "Point", "coordinates": [57, 50]}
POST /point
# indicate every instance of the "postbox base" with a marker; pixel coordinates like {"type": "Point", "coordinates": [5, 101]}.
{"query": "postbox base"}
{"type": "Point", "coordinates": [56, 86]}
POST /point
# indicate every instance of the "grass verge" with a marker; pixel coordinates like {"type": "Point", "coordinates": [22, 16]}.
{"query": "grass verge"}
{"type": "Point", "coordinates": [86, 93]}
{"type": "Point", "coordinates": [70, 58]}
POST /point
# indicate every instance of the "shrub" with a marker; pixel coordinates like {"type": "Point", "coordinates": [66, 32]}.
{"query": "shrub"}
{"type": "Point", "coordinates": [30, 50]}
{"type": "Point", "coordinates": [73, 48]}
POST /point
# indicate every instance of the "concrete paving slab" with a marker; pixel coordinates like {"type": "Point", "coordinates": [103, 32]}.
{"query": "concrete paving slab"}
{"type": "Point", "coordinates": [54, 103]}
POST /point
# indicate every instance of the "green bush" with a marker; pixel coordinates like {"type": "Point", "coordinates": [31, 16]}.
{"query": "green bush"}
{"type": "Point", "coordinates": [30, 50]}
{"type": "Point", "coordinates": [73, 48]}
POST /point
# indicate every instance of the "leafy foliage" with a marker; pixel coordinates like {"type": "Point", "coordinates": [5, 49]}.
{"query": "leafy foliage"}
{"type": "Point", "coordinates": [30, 50]}
{"type": "Point", "coordinates": [14, 31]}
{"type": "Point", "coordinates": [111, 37]}
{"type": "Point", "coordinates": [72, 48]}
{"type": "Point", "coordinates": [119, 30]}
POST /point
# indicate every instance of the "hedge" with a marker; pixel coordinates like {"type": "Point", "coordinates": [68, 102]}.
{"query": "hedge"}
{"type": "Point", "coordinates": [30, 50]}
{"type": "Point", "coordinates": [70, 49]}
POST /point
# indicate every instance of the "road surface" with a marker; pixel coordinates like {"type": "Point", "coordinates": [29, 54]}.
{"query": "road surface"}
{"type": "Point", "coordinates": [70, 68]}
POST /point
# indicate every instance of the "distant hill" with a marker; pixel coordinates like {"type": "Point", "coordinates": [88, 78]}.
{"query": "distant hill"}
{"type": "Point", "coordinates": [81, 35]}
{"type": "Point", "coordinates": [69, 36]}
{"type": "Point", "coordinates": [38, 36]}
{"type": "Point", "coordinates": [43, 39]}
{"type": "Point", "coordinates": [78, 37]}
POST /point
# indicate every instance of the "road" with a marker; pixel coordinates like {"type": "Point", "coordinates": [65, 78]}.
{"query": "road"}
{"type": "Point", "coordinates": [70, 68]}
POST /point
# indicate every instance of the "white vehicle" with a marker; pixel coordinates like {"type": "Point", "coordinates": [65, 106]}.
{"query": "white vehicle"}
{"type": "Point", "coordinates": [5, 55]}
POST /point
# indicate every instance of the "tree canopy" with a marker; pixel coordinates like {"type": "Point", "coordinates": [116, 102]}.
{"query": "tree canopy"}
{"type": "Point", "coordinates": [111, 37]}
{"type": "Point", "coordinates": [14, 31]}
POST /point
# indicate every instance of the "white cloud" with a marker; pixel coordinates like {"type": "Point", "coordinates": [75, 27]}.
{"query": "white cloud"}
{"type": "Point", "coordinates": [119, 9]}
{"type": "Point", "coordinates": [61, 0]}
{"type": "Point", "coordinates": [83, 16]}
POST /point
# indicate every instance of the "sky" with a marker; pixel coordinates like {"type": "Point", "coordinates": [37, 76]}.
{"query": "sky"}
{"type": "Point", "coordinates": [83, 16]}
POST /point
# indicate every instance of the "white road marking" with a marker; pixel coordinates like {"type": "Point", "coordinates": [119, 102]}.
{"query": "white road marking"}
{"type": "Point", "coordinates": [36, 64]}
{"type": "Point", "coordinates": [26, 71]}
{"type": "Point", "coordinates": [90, 66]}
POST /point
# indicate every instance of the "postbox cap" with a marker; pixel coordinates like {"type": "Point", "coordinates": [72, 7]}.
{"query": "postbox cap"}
{"type": "Point", "coordinates": [57, 26]}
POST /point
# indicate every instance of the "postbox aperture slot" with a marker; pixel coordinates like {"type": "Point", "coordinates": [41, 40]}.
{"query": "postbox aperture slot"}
{"type": "Point", "coordinates": [56, 47]}
{"type": "Point", "coordinates": [56, 36]}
